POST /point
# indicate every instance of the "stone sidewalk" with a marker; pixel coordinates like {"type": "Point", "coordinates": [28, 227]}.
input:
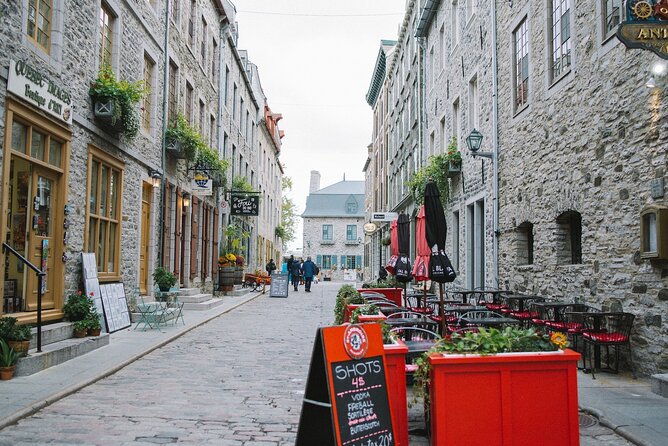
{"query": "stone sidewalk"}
{"type": "Point", "coordinates": [235, 375]}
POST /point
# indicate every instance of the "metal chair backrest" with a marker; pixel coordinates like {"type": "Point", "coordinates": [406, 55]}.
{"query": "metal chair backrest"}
{"type": "Point", "coordinates": [414, 333]}
{"type": "Point", "coordinates": [406, 315]}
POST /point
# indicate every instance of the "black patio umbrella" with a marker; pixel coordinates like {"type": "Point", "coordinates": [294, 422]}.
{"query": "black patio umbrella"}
{"type": "Point", "coordinates": [402, 270]}
{"type": "Point", "coordinates": [436, 230]}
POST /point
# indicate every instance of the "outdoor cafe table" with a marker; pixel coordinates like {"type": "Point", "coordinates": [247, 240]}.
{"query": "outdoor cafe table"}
{"type": "Point", "coordinates": [488, 321]}
{"type": "Point", "coordinates": [555, 305]}
{"type": "Point", "coordinates": [494, 293]}
{"type": "Point", "coordinates": [465, 294]}
{"type": "Point", "coordinates": [521, 298]}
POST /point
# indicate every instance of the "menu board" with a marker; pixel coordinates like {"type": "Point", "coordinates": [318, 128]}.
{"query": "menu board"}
{"type": "Point", "coordinates": [92, 285]}
{"type": "Point", "coordinates": [279, 285]}
{"type": "Point", "coordinates": [346, 401]}
{"type": "Point", "coordinates": [109, 299]}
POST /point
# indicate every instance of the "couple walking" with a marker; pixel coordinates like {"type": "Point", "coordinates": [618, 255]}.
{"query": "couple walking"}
{"type": "Point", "coordinates": [297, 270]}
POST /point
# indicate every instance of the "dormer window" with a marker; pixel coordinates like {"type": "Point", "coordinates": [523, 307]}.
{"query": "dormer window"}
{"type": "Point", "coordinates": [352, 208]}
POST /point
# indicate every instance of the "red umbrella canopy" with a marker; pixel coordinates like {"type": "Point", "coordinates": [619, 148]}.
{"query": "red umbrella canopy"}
{"type": "Point", "coordinates": [394, 239]}
{"type": "Point", "coordinates": [421, 267]}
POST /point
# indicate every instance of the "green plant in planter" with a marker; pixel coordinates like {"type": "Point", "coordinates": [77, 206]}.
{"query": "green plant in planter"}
{"type": "Point", "coordinates": [80, 325]}
{"type": "Point", "coordinates": [346, 295]}
{"type": "Point", "coordinates": [437, 170]}
{"type": "Point", "coordinates": [209, 158]}
{"type": "Point", "coordinates": [487, 342]}
{"type": "Point", "coordinates": [453, 155]}
{"type": "Point", "coordinates": [77, 307]}
{"type": "Point", "coordinates": [8, 357]}
{"type": "Point", "coordinates": [93, 322]}
{"type": "Point", "coordinates": [189, 138]}
{"type": "Point", "coordinates": [123, 95]}
{"type": "Point", "coordinates": [368, 310]}
{"type": "Point", "coordinates": [163, 278]}
{"type": "Point", "coordinates": [11, 331]}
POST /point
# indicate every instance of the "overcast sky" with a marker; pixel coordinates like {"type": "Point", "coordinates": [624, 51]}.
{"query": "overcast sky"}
{"type": "Point", "coordinates": [316, 58]}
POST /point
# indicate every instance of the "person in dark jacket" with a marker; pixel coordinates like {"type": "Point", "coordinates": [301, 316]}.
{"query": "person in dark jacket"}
{"type": "Point", "coordinates": [296, 272]}
{"type": "Point", "coordinates": [290, 261]}
{"type": "Point", "coordinates": [271, 266]}
{"type": "Point", "coordinates": [308, 270]}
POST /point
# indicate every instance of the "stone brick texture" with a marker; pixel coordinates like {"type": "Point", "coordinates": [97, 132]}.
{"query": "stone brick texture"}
{"type": "Point", "coordinates": [337, 247]}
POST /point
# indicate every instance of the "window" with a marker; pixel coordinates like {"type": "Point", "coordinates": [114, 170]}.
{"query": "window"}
{"type": "Point", "coordinates": [212, 130]}
{"type": "Point", "coordinates": [203, 43]}
{"type": "Point", "coordinates": [39, 23]}
{"type": "Point", "coordinates": [227, 84]}
{"type": "Point", "coordinates": [351, 232]}
{"type": "Point", "coordinates": [611, 16]}
{"type": "Point", "coordinates": [202, 113]}
{"type": "Point", "coordinates": [214, 58]}
{"type": "Point", "coordinates": [351, 207]}
{"type": "Point", "coordinates": [191, 24]}
{"type": "Point", "coordinates": [475, 244]}
{"type": "Point", "coordinates": [473, 103]}
{"type": "Point", "coordinates": [241, 114]}
{"type": "Point", "coordinates": [173, 94]}
{"type": "Point", "coordinates": [432, 148]}
{"type": "Point", "coordinates": [525, 244]}
{"type": "Point", "coordinates": [106, 36]}
{"type": "Point", "coordinates": [148, 97]}
{"type": "Point", "coordinates": [441, 42]}
{"type": "Point", "coordinates": [470, 9]}
{"type": "Point", "coordinates": [246, 129]}
{"type": "Point", "coordinates": [521, 50]}
{"type": "Point", "coordinates": [103, 213]}
{"type": "Point", "coordinates": [455, 23]}
{"type": "Point", "coordinates": [327, 232]}
{"type": "Point", "coordinates": [560, 38]}
{"type": "Point", "coordinates": [189, 103]}
{"type": "Point", "coordinates": [444, 137]}
{"type": "Point", "coordinates": [326, 262]}
{"type": "Point", "coordinates": [455, 240]}
{"type": "Point", "coordinates": [234, 102]}
{"type": "Point", "coordinates": [569, 238]}
{"type": "Point", "coordinates": [349, 262]}
{"type": "Point", "coordinates": [432, 68]}
{"type": "Point", "coordinates": [455, 120]}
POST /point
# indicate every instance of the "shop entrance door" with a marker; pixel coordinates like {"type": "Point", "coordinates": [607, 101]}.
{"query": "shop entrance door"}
{"type": "Point", "coordinates": [147, 189]}
{"type": "Point", "coordinates": [42, 208]}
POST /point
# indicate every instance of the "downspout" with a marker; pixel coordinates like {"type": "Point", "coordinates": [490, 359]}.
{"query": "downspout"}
{"type": "Point", "coordinates": [224, 25]}
{"type": "Point", "coordinates": [495, 145]}
{"type": "Point", "coordinates": [165, 84]}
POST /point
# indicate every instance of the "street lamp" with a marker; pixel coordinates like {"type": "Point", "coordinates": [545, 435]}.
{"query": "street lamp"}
{"type": "Point", "coordinates": [474, 142]}
{"type": "Point", "coordinates": [155, 177]}
{"type": "Point", "coordinates": [186, 199]}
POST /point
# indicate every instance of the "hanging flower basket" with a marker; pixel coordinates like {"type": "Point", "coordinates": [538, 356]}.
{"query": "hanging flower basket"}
{"type": "Point", "coordinates": [175, 149]}
{"type": "Point", "coordinates": [454, 168]}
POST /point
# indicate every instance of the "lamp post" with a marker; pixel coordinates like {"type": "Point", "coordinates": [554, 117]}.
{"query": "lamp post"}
{"type": "Point", "coordinates": [474, 142]}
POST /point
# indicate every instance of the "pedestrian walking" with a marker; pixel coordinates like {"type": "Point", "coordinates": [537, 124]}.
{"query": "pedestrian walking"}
{"type": "Point", "coordinates": [296, 273]}
{"type": "Point", "coordinates": [309, 270]}
{"type": "Point", "coordinates": [301, 268]}
{"type": "Point", "coordinates": [291, 260]}
{"type": "Point", "coordinates": [270, 267]}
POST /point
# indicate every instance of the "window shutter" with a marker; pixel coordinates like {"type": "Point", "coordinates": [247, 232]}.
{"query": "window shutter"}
{"type": "Point", "coordinates": [343, 262]}
{"type": "Point", "coordinates": [358, 262]}
{"type": "Point", "coordinates": [318, 260]}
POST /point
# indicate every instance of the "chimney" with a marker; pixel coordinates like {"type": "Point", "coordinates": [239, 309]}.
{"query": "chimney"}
{"type": "Point", "coordinates": [315, 182]}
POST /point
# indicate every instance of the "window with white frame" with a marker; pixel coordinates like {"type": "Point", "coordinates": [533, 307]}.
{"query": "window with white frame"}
{"type": "Point", "coordinates": [521, 51]}
{"type": "Point", "coordinates": [455, 23]}
{"type": "Point", "coordinates": [192, 38]}
{"type": "Point", "coordinates": [455, 120]}
{"type": "Point", "coordinates": [147, 106]}
{"type": "Point", "coordinates": [441, 43]}
{"type": "Point", "coordinates": [351, 232]}
{"type": "Point", "coordinates": [473, 103]}
{"type": "Point", "coordinates": [326, 261]}
{"type": "Point", "coordinates": [611, 14]}
{"type": "Point", "coordinates": [475, 244]}
{"type": "Point", "coordinates": [560, 38]}
{"type": "Point", "coordinates": [106, 36]}
{"type": "Point", "coordinates": [327, 232]}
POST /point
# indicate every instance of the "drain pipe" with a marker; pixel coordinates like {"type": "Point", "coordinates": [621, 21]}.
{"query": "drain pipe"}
{"type": "Point", "coordinates": [165, 93]}
{"type": "Point", "coordinates": [495, 144]}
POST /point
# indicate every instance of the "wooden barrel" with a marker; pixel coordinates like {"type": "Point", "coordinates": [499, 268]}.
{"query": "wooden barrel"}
{"type": "Point", "coordinates": [238, 275]}
{"type": "Point", "coordinates": [226, 278]}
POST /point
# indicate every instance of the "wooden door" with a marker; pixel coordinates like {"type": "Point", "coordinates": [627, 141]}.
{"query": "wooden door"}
{"type": "Point", "coordinates": [147, 190]}
{"type": "Point", "coordinates": [44, 213]}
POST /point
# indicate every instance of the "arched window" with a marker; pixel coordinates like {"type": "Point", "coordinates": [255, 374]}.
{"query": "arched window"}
{"type": "Point", "coordinates": [569, 238]}
{"type": "Point", "coordinates": [525, 244]}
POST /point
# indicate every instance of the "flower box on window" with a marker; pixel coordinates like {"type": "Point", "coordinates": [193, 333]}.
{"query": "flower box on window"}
{"type": "Point", "coordinates": [175, 149]}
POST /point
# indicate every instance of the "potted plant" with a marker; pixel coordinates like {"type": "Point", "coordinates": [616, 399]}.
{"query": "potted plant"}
{"type": "Point", "coordinates": [472, 376]}
{"type": "Point", "coordinates": [16, 336]}
{"type": "Point", "coordinates": [77, 307]}
{"type": "Point", "coordinates": [454, 159]}
{"type": "Point", "coordinates": [8, 360]}
{"type": "Point", "coordinates": [114, 102]}
{"type": "Point", "coordinates": [94, 328]}
{"type": "Point", "coordinates": [182, 140]}
{"type": "Point", "coordinates": [386, 241]}
{"type": "Point", "coordinates": [226, 266]}
{"type": "Point", "coordinates": [346, 296]}
{"type": "Point", "coordinates": [366, 313]}
{"type": "Point", "coordinates": [80, 328]}
{"type": "Point", "coordinates": [164, 279]}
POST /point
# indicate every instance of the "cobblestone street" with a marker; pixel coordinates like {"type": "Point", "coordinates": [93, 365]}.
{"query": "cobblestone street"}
{"type": "Point", "coordinates": [237, 380]}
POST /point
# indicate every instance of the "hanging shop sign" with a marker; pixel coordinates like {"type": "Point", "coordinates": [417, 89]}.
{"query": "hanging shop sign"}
{"type": "Point", "coordinates": [244, 204]}
{"type": "Point", "coordinates": [384, 216]}
{"type": "Point", "coordinates": [646, 26]}
{"type": "Point", "coordinates": [202, 185]}
{"type": "Point", "coordinates": [37, 88]}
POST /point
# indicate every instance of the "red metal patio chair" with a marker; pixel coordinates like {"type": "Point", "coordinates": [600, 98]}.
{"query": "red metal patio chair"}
{"type": "Point", "coordinates": [609, 330]}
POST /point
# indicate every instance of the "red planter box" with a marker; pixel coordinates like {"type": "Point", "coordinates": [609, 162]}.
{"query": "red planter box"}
{"type": "Point", "coordinates": [349, 311]}
{"type": "Point", "coordinates": [506, 400]}
{"type": "Point", "coordinates": [395, 374]}
{"type": "Point", "coordinates": [394, 294]}
{"type": "Point", "coordinates": [380, 317]}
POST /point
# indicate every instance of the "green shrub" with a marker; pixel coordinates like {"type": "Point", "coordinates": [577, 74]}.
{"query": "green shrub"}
{"type": "Point", "coordinates": [78, 306]}
{"type": "Point", "coordinates": [346, 295]}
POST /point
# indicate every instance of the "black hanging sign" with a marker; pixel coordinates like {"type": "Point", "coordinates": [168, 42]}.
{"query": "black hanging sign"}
{"type": "Point", "coordinates": [243, 204]}
{"type": "Point", "coordinates": [346, 402]}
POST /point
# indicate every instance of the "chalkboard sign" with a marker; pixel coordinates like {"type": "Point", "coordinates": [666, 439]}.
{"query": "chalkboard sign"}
{"type": "Point", "coordinates": [279, 285]}
{"type": "Point", "coordinates": [244, 204]}
{"type": "Point", "coordinates": [346, 402]}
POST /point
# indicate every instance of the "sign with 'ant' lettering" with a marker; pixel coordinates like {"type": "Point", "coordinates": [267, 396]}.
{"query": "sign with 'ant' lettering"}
{"type": "Point", "coordinates": [346, 401]}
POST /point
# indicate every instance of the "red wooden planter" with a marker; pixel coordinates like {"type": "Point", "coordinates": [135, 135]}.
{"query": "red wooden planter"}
{"type": "Point", "coordinates": [513, 399]}
{"type": "Point", "coordinates": [395, 374]}
{"type": "Point", "coordinates": [349, 311]}
{"type": "Point", "coordinates": [394, 294]}
{"type": "Point", "coordinates": [380, 317]}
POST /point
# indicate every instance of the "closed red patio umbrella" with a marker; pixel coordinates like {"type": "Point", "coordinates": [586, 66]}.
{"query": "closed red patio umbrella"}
{"type": "Point", "coordinates": [421, 267]}
{"type": "Point", "coordinates": [394, 248]}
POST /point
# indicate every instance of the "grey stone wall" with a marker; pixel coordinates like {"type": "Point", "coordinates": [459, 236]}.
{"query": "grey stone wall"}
{"type": "Point", "coordinates": [590, 142]}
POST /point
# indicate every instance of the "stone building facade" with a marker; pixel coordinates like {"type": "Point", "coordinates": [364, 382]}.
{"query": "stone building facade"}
{"type": "Point", "coordinates": [572, 123]}
{"type": "Point", "coordinates": [579, 109]}
{"type": "Point", "coordinates": [73, 183]}
{"type": "Point", "coordinates": [458, 99]}
{"type": "Point", "coordinates": [333, 233]}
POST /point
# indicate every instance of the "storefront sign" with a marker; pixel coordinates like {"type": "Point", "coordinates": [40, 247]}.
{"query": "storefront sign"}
{"type": "Point", "coordinates": [384, 216]}
{"type": "Point", "coordinates": [646, 26]}
{"type": "Point", "coordinates": [202, 185]}
{"type": "Point", "coordinates": [243, 204]}
{"type": "Point", "coordinates": [37, 88]}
